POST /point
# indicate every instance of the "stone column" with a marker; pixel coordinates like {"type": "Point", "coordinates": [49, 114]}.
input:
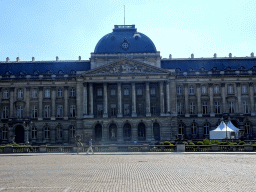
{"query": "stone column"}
{"type": "Point", "coordinates": [91, 100]}
{"type": "Point", "coordinates": [27, 96]}
{"type": "Point", "coordinates": [173, 99]}
{"type": "Point", "coordinates": [53, 99]}
{"type": "Point", "coordinates": [105, 95]}
{"type": "Point", "coordinates": [26, 134]}
{"type": "Point", "coordinates": [239, 98]}
{"type": "Point", "coordinates": [11, 101]}
{"type": "Point", "coordinates": [223, 95]}
{"type": "Point", "coordinates": [119, 100]}
{"type": "Point", "coordinates": [212, 114]}
{"type": "Point", "coordinates": [199, 102]}
{"type": "Point", "coordinates": [104, 132]}
{"type": "Point", "coordinates": [186, 100]}
{"type": "Point", "coordinates": [40, 104]}
{"type": "Point", "coordinates": [134, 132]}
{"type": "Point", "coordinates": [148, 114]}
{"type": "Point", "coordinates": [66, 103]}
{"type": "Point", "coordinates": [162, 99]}
{"type": "Point", "coordinates": [85, 112]}
{"type": "Point", "coordinates": [79, 99]}
{"type": "Point", "coordinates": [134, 114]}
{"type": "Point", "coordinates": [252, 99]}
{"type": "Point", "coordinates": [120, 133]}
{"type": "Point", "coordinates": [168, 97]}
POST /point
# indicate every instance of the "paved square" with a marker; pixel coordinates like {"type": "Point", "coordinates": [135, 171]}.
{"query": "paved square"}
{"type": "Point", "coordinates": [147, 172]}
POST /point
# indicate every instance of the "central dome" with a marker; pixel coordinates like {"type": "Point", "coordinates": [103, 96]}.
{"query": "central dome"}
{"type": "Point", "coordinates": [125, 39]}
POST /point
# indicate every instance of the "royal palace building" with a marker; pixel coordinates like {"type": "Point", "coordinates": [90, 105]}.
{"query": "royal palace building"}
{"type": "Point", "coordinates": [125, 92]}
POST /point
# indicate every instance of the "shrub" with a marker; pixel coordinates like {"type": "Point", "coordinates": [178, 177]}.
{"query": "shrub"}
{"type": "Point", "coordinates": [184, 142]}
{"type": "Point", "coordinates": [200, 143]}
{"type": "Point", "coordinates": [206, 142]}
{"type": "Point", "coordinates": [241, 143]}
{"type": "Point", "coordinates": [230, 143]}
{"type": "Point", "coordinates": [161, 143]}
{"type": "Point", "coordinates": [215, 142]}
{"type": "Point", "coordinates": [191, 143]}
{"type": "Point", "coordinates": [167, 143]}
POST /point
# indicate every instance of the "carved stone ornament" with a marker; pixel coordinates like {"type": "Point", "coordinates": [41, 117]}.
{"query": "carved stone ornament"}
{"type": "Point", "coordinates": [126, 67]}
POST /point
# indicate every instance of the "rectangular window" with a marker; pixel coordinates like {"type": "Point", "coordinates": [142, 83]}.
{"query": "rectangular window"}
{"type": "Point", "coordinates": [47, 111]}
{"type": "Point", "coordinates": [205, 107]}
{"type": "Point", "coordinates": [60, 93]}
{"type": "Point", "coordinates": [179, 90]}
{"type": "Point", "coordinates": [152, 91]}
{"type": "Point", "coordinates": [192, 108]}
{"type": "Point", "coordinates": [113, 92]}
{"type": "Point", "coordinates": [204, 90]}
{"type": "Point", "coordinates": [34, 93]}
{"type": "Point", "coordinates": [72, 92]}
{"type": "Point", "coordinates": [191, 90]}
{"type": "Point", "coordinates": [153, 108]}
{"type": "Point", "coordinates": [126, 91]}
{"type": "Point", "coordinates": [6, 94]}
{"type": "Point", "coordinates": [4, 134]}
{"type": "Point", "coordinates": [230, 89]}
{"type": "Point", "coordinates": [244, 89]}
{"type": "Point", "coordinates": [20, 93]}
{"type": "Point", "coordinates": [72, 110]}
{"type": "Point", "coordinates": [100, 110]}
{"type": "Point", "coordinates": [179, 108]}
{"type": "Point", "coordinates": [126, 109]}
{"type": "Point", "coordinates": [47, 93]}
{"type": "Point", "coordinates": [5, 112]}
{"type": "Point", "coordinates": [34, 111]}
{"type": "Point", "coordinates": [113, 109]}
{"type": "Point", "coordinates": [216, 89]}
{"type": "Point", "coordinates": [99, 92]}
{"type": "Point", "coordinates": [231, 107]}
{"type": "Point", "coordinates": [19, 112]}
{"type": "Point", "coordinates": [245, 107]}
{"type": "Point", "coordinates": [60, 111]}
{"type": "Point", "coordinates": [47, 133]}
{"type": "Point", "coordinates": [217, 107]}
{"type": "Point", "coordinates": [139, 91]}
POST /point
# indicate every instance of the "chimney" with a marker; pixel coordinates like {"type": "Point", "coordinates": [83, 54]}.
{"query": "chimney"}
{"type": "Point", "coordinates": [252, 54]}
{"type": "Point", "coordinates": [17, 59]}
{"type": "Point", "coordinates": [170, 56]}
{"type": "Point", "coordinates": [7, 59]}
{"type": "Point", "coordinates": [230, 55]}
{"type": "Point", "coordinates": [79, 58]}
{"type": "Point", "coordinates": [33, 59]}
{"type": "Point", "coordinates": [57, 58]}
{"type": "Point", "coordinates": [215, 55]}
{"type": "Point", "coordinates": [192, 56]}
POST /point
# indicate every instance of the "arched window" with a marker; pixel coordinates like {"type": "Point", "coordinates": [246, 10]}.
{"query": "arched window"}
{"type": "Point", "coordinates": [4, 133]}
{"type": "Point", "coordinates": [247, 128]}
{"type": "Point", "coordinates": [34, 132]}
{"type": "Point", "coordinates": [181, 129]}
{"type": "Point", "coordinates": [193, 128]}
{"type": "Point", "coordinates": [206, 128]}
{"type": "Point", "coordinates": [72, 131]}
{"type": "Point", "coordinates": [59, 132]}
{"type": "Point", "coordinates": [47, 132]}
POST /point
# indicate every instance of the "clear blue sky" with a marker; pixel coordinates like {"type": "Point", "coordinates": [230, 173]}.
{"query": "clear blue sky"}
{"type": "Point", "coordinates": [49, 28]}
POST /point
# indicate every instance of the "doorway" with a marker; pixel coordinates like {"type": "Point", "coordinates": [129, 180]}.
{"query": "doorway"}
{"type": "Point", "coordinates": [19, 134]}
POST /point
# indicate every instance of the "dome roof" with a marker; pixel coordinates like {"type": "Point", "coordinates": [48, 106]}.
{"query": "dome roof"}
{"type": "Point", "coordinates": [125, 39]}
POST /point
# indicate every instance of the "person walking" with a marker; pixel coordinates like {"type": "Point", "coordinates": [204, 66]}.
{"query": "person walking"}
{"type": "Point", "coordinates": [90, 147]}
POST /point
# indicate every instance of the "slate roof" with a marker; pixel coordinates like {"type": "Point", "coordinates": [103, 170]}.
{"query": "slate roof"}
{"type": "Point", "coordinates": [43, 67]}
{"type": "Point", "coordinates": [138, 42]}
{"type": "Point", "coordinates": [209, 63]}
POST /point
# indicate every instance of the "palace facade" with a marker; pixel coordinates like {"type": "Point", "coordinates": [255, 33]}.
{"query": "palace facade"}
{"type": "Point", "coordinates": [125, 92]}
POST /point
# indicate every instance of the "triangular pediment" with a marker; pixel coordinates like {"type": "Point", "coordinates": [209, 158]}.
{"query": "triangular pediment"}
{"type": "Point", "coordinates": [126, 67]}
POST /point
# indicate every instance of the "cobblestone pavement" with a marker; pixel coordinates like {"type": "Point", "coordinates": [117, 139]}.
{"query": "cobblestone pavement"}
{"type": "Point", "coordinates": [151, 172]}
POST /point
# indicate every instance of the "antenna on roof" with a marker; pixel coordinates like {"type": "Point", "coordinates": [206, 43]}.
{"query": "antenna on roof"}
{"type": "Point", "coordinates": [124, 14]}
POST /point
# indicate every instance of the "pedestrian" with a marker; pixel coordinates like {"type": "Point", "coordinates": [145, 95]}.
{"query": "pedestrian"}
{"type": "Point", "coordinates": [90, 147]}
{"type": "Point", "coordinates": [135, 142]}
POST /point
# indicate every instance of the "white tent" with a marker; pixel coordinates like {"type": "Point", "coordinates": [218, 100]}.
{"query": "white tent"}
{"type": "Point", "coordinates": [221, 132]}
{"type": "Point", "coordinates": [235, 129]}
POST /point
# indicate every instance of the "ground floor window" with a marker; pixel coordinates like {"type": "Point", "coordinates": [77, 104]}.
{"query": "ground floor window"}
{"type": "Point", "coordinates": [181, 129]}
{"type": "Point", "coordinates": [46, 132]}
{"type": "Point", "coordinates": [206, 128]}
{"type": "Point", "coordinates": [34, 132]}
{"type": "Point", "coordinates": [127, 132]}
{"type": "Point", "coordinates": [4, 133]}
{"type": "Point", "coordinates": [98, 132]}
{"type": "Point", "coordinates": [113, 132]}
{"type": "Point", "coordinates": [141, 131]}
